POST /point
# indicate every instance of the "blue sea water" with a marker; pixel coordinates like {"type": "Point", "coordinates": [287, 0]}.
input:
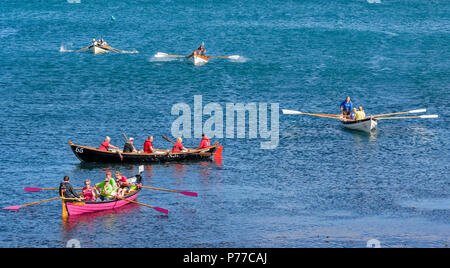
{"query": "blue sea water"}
{"type": "Point", "coordinates": [322, 187]}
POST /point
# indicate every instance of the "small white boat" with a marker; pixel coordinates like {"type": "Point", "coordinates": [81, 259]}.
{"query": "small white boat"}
{"type": "Point", "coordinates": [98, 50]}
{"type": "Point", "coordinates": [198, 60]}
{"type": "Point", "coordinates": [365, 125]}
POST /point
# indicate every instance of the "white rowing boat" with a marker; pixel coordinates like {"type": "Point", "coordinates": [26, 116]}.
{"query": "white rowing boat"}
{"type": "Point", "coordinates": [198, 60]}
{"type": "Point", "coordinates": [98, 50]}
{"type": "Point", "coordinates": [365, 125]}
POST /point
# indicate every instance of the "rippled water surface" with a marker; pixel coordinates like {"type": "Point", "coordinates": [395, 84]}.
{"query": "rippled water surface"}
{"type": "Point", "coordinates": [322, 187]}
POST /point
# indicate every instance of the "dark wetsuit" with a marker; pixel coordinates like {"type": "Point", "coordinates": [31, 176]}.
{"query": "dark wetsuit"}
{"type": "Point", "coordinates": [68, 190]}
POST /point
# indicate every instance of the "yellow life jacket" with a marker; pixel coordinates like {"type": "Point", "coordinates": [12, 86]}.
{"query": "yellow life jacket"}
{"type": "Point", "coordinates": [360, 115]}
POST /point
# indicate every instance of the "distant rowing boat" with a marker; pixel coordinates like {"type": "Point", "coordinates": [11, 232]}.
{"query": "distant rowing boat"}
{"type": "Point", "coordinates": [198, 60]}
{"type": "Point", "coordinates": [91, 154]}
{"type": "Point", "coordinates": [195, 58]}
{"type": "Point", "coordinates": [98, 50]}
{"type": "Point", "coordinates": [365, 125]}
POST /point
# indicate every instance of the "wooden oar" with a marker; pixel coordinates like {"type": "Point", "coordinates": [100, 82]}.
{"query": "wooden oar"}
{"type": "Point", "coordinates": [404, 117]}
{"type": "Point", "coordinates": [37, 189]}
{"type": "Point", "coordinates": [111, 48]}
{"type": "Point", "coordinates": [162, 210]}
{"type": "Point", "coordinates": [82, 49]}
{"type": "Point", "coordinates": [169, 140]}
{"type": "Point", "coordinates": [232, 57]}
{"type": "Point", "coordinates": [167, 190]}
{"type": "Point", "coordinates": [408, 112]}
{"type": "Point", "coordinates": [301, 113]}
{"type": "Point", "coordinates": [15, 208]}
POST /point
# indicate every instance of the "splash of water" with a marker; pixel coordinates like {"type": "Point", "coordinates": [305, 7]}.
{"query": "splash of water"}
{"type": "Point", "coordinates": [63, 49]}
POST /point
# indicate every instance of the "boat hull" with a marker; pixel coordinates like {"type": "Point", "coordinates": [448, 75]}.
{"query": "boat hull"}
{"type": "Point", "coordinates": [90, 154]}
{"type": "Point", "coordinates": [365, 125]}
{"type": "Point", "coordinates": [98, 50]}
{"type": "Point", "coordinates": [199, 60]}
{"type": "Point", "coordinates": [78, 208]}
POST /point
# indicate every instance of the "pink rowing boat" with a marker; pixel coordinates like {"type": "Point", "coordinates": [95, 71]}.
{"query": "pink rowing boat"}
{"type": "Point", "coordinates": [82, 207]}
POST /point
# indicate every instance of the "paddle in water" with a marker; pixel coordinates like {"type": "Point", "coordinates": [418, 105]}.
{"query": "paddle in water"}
{"type": "Point", "coordinates": [162, 210]}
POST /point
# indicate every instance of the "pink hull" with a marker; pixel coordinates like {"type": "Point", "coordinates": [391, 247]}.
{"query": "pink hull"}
{"type": "Point", "coordinates": [96, 207]}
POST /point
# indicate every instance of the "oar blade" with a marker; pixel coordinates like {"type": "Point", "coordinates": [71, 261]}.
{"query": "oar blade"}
{"type": "Point", "coordinates": [13, 208]}
{"type": "Point", "coordinates": [418, 111]}
{"type": "Point", "coordinates": [429, 116]}
{"type": "Point", "coordinates": [162, 210]}
{"type": "Point", "coordinates": [284, 111]}
{"type": "Point", "coordinates": [234, 57]}
{"type": "Point", "coordinates": [189, 193]}
{"type": "Point", "coordinates": [161, 55]}
{"type": "Point", "coordinates": [32, 189]}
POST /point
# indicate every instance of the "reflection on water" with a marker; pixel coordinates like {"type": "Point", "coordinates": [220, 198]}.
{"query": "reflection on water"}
{"type": "Point", "coordinates": [88, 222]}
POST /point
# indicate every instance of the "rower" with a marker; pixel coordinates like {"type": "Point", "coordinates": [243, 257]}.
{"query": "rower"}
{"type": "Point", "coordinates": [107, 188]}
{"type": "Point", "coordinates": [124, 187]}
{"type": "Point", "coordinates": [201, 50]}
{"type": "Point", "coordinates": [66, 189]}
{"type": "Point", "coordinates": [88, 191]}
{"type": "Point", "coordinates": [94, 43]}
{"type": "Point", "coordinates": [178, 147]}
{"type": "Point", "coordinates": [106, 145]}
{"type": "Point", "coordinates": [346, 107]}
{"type": "Point", "coordinates": [353, 114]}
{"type": "Point", "coordinates": [148, 145]}
{"type": "Point", "coordinates": [206, 142]}
{"type": "Point", "coordinates": [360, 114]}
{"type": "Point", "coordinates": [129, 147]}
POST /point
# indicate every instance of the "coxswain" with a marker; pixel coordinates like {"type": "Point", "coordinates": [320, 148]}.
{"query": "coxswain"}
{"type": "Point", "coordinates": [346, 107]}
{"type": "Point", "coordinates": [106, 145]}
{"type": "Point", "coordinates": [206, 142]}
{"type": "Point", "coordinates": [66, 189]}
{"type": "Point", "coordinates": [148, 145]}
{"type": "Point", "coordinates": [178, 147]}
{"type": "Point", "coordinates": [129, 147]}
{"type": "Point", "coordinates": [360, 114]}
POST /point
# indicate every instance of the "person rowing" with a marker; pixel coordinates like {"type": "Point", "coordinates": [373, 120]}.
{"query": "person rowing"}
{"type": "Point", "coordinates": [105, 146]}
{"type": "Point", "coordinates": [353, 114]}
{"type": "Point", "coordinates": [122, 181]}
{"type": "Point", "coordinates": [129, 147]}
{"type": "Point", "coordinates": [360, 114]}
{"type": "Point", "coordinates": [205, 143]}
{"type": "Point", "coordinates": [148, 145]}
{"type": "Point", "coordinates": [88, 192]}
{"type": "Point", "coordinates": [346, 107]}
{"type": "Point", "coordinates": [201, 50]}
{"type": "Point", "coordinates": [178, 147]}
{"type": "Point", "coordinates": [107, 188]}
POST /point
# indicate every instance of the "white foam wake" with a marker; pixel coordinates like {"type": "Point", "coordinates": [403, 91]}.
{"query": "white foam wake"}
{"type": "Point", "coordinates": [62, 49]}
